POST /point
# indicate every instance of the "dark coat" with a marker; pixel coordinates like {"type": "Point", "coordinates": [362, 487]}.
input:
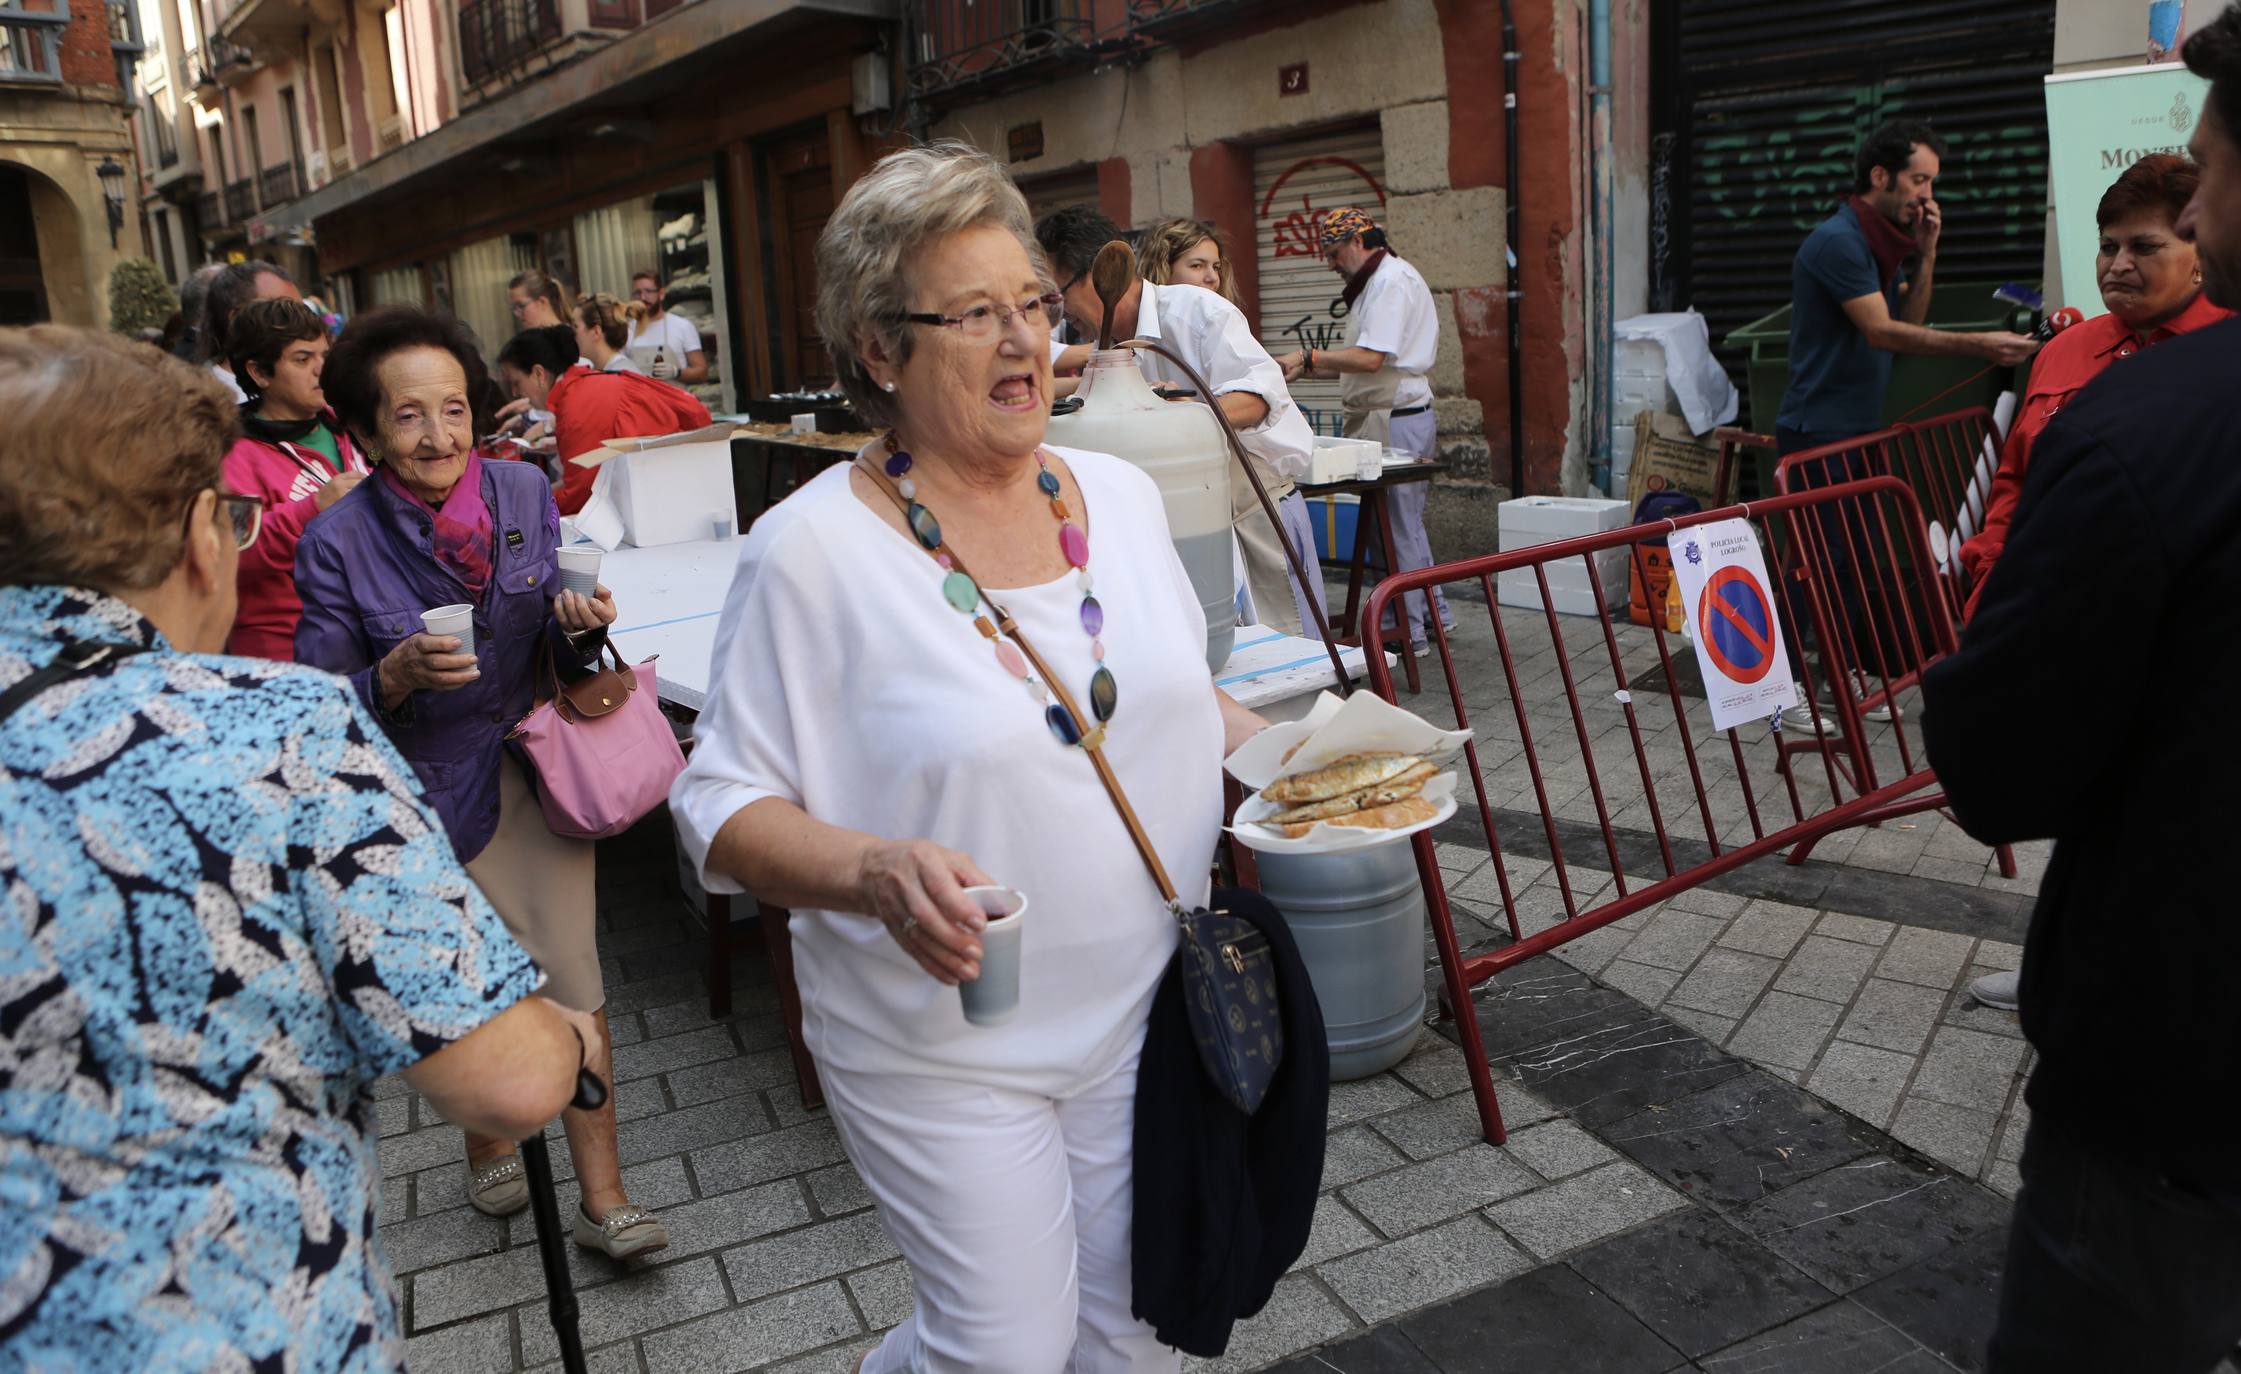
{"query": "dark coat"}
{"type": "Point", "coordinates": [2091, 701]}
{"type": "Point", "coordinates": [1224, 1202]}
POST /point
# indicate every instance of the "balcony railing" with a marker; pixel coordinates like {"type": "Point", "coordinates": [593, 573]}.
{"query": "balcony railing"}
{"type": "Point", "coordinates": [1165, 19]}
{"type": "Point", "coordinates": [31, 42]}
{"type": "Point", "coordinates": [219, 59]}
{"type": "Point", "coordinates": [496, 36]}
{"type": "Point", "coordinates": [210, 209]}
{"type": "Point", "coordinates": [241, 200]}
{"type": "Point", "coordinates": [276, 186]}
{"type": "Point", "coordinates": [982, 44]}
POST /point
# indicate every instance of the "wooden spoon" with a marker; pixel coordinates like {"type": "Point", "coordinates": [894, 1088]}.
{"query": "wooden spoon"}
{"type": "Point", "coordinates": [1110, 276]}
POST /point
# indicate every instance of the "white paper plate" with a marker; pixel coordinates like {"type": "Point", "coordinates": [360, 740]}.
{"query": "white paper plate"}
{"type": "Point", "coordinates": [1333, 728]}
{"type": "Point", "coordinates": [1336, 839]}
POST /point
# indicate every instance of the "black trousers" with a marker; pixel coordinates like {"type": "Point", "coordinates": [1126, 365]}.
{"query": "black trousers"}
{"type": "Point", "coordinates": [1853, 549]}
{"type": "Point", "coordinates": [2113, 1265]}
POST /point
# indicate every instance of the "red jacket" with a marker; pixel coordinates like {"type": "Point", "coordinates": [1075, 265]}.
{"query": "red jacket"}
{"type": "Point", "coordinates": [288, 477]}
{"type": "Point", "coordinates": [589, 408]}
{"type": "Point", "coordinates": [2071, 359]}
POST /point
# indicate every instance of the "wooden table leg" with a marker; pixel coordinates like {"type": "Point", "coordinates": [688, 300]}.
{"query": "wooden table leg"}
{"type": "Point", "coordinates": [1400, 610]}
{"type": "Point", "coordinates": [1344, 628]}
{"type": "Point", "coordinates": [778, 938]}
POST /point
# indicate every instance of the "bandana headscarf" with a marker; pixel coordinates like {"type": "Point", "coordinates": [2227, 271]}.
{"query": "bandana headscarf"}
{"type": "Point", "coordinates": [463, 526]}
{"type": "Point", "coordinates": [1341, 225]}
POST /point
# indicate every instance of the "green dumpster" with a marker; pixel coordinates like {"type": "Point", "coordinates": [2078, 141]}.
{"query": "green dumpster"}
{"type": "Point", "coordinates": [1958, 307]}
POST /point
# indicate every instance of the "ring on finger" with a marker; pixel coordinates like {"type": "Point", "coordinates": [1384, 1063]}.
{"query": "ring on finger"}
{"type": "Point", "coordinates": [908, 928]}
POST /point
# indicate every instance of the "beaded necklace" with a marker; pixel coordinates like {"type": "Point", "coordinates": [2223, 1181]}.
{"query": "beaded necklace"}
{"type": "Point", "coordinates": [965, 596]}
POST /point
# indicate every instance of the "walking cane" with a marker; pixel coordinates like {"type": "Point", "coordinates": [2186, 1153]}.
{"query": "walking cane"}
{"type": "Point", "coordinates": [544, 1208]}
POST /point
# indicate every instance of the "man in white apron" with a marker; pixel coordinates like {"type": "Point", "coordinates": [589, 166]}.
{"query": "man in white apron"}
{"type": "Point", "coordinates": [1393, 334]}
{"type": "Point", "coordinates": [1215, 338]}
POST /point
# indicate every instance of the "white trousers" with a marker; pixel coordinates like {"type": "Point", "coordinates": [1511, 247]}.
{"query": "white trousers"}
{"type": "Point", "coordinates": [1013, 1210]}
{"type": "Point", "coordinates": [1404, 505]}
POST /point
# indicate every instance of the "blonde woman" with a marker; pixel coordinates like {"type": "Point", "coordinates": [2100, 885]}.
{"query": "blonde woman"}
{"type": "Point", "coordinates": [1187, 252]}
{"type": "Point", "coordinates": [603, 326]}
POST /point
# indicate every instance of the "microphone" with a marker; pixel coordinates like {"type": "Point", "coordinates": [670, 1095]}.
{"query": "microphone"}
{"type": "Point", "coordinates": [2057, 322]}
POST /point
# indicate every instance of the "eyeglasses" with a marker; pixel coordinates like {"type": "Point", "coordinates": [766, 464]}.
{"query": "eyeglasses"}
{"type": "Point", "coordinates": [1072, 282]}
{"type": "Point", "coordinates": [246, 514]}
{"type": "Point", "coordinates": [984, 322]}
{"type": "Point", "coordinates": [519, 307]}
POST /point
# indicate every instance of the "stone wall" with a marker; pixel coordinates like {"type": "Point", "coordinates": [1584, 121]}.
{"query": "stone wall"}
{"type": "Point", "coordinates": [1183, 124]}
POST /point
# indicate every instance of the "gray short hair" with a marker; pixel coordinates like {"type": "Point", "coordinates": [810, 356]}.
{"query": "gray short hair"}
{"type": "Point", "coordinates": [905, 202]}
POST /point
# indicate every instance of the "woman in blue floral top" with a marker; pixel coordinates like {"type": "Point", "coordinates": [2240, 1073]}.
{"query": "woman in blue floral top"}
{"type": "Point", "coordinates": [229, 909]}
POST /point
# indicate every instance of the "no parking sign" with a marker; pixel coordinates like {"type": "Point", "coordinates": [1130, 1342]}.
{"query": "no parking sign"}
{"type": "Point", "coordinates": [1732, 621]}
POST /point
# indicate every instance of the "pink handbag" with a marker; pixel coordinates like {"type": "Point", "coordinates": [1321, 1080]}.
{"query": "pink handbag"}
{"type": "Point", "coordinates": [604, 753]}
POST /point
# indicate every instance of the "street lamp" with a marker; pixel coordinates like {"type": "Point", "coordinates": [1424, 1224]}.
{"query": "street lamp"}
{"type": "Point", "coordinates": [112, 191]}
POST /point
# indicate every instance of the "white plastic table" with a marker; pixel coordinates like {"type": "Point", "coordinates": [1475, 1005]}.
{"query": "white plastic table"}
{"type": "Point", "coordinates": [670, 596]}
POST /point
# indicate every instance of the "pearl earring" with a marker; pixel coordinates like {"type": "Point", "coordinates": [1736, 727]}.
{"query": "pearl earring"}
{"type": "Point", "coordinates": [890, 386]}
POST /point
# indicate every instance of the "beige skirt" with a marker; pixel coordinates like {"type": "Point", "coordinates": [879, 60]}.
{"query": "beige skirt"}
{"type": "Point", "coordinates": [544, 888]}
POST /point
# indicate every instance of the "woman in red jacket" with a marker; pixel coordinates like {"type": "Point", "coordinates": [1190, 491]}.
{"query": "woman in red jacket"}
{"type": "Point", "coordinates": [293, 454]}
{"type": "Point", "coordinates": [2153, 289]}
{"type": "Point", "coordinates": [589, 407]}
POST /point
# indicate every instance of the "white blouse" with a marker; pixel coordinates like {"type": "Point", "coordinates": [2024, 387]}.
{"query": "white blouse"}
{"type": "Point", "coordinates": [843, 682]}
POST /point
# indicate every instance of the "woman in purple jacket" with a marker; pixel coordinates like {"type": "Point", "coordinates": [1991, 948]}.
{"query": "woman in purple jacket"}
{"type": "Point", "coordinates": [436, 526]}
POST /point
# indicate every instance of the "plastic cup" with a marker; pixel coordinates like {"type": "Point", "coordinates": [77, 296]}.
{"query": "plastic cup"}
{"type": "Point", "coordinates": [452, 620]}
{"type": "Point", "coordinates": [804, 423]}
{"type": "Point", "coordinates": [993, 998]}
{"type": "Point", "coordinates": [579, 571]}
{"type": "Point", "coordinates": [720, 522]}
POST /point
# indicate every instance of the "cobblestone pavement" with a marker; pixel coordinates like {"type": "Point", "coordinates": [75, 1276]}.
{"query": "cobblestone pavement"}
{"type": "Point", "coordinates": [1747, 1133]}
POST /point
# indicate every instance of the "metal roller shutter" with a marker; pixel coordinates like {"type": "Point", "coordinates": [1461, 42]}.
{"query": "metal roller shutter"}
{"type": "Point", "coordinates": [1294, 183]}
{"type": "Point", "coordinates": [1761, 104]}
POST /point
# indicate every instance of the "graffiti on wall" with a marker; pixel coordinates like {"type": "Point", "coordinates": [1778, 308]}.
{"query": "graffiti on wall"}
{"type": "Point", "coordinates": [1292, 220]}
{"type": "Point", "coordinates": [1791, 177]}
{"type": "Point", "coordinates": [1298, 234]}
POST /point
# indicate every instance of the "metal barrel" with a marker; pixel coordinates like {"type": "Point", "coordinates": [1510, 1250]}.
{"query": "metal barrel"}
{"type": "Point", "coordinates": [1359, 921]}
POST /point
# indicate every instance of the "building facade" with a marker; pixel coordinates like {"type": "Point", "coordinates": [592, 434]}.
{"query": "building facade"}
{"type": "Point", "coordinates": [66, 157]}
{"type": "Point", "coordinates": [427, 150]}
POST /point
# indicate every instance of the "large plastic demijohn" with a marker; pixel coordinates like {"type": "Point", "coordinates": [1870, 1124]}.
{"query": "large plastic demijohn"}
{"type": "Point", "coordinates": [1181, 446]}
{"type": "Point", "coordinates": [1358, 917]}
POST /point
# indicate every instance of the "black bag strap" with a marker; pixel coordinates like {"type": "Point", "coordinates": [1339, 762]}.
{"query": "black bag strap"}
{"type": "Point", "coordinates": [78, 657]}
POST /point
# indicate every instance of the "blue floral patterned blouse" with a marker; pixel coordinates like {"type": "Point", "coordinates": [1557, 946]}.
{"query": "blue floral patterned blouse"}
{"type": "Point", "coordinates": [225, 909]}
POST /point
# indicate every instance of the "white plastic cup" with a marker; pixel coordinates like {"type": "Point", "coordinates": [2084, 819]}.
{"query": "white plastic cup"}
{"type": "Point", "coordinates": [993, 998]}
{"type": "Point", "coordinates": [579, 571]}
{"type": "Point", "coordinates": [720, 522]}
{"type": "Point", "coordinates": [452, 620]}
{"type": "Point", "coordinates": [805, 423]}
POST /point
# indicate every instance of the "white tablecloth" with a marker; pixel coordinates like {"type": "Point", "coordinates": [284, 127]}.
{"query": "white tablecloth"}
{"type": "Point", "coordinates": [669, 597]}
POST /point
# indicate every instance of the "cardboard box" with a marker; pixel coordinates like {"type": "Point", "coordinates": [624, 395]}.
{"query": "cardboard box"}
{"type": "Point", "coordinates": [666, 489]}
{"type": "Point", "coordinates": [1667, 456]}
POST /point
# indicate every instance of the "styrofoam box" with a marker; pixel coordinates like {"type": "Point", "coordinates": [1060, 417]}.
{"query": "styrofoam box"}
{"type": "Point", "coordinates": [1568, 585]}
{"type": "Point", "coordinates": [1530, 520]}
{"type": "Point", "coordinates": [668, 489]}
{"type": "Point", "coordinates": [1344, 460]}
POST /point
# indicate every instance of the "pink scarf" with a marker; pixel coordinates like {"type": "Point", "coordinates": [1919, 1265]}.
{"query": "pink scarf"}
{"type": "Point", "coordinates": [462, 527]}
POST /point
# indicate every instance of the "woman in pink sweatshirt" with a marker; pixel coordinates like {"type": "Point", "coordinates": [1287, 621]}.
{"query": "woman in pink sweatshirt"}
{"type": "Point", "coordinates": [292, 454]}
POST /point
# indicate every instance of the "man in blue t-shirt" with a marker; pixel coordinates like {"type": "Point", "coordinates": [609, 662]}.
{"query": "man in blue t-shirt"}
{"type": "Point", "coordinates": [1860, 290]}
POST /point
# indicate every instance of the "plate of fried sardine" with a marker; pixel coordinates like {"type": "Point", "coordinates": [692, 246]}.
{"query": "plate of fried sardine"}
{"type": "Point", "coordinates": [1351, 775]}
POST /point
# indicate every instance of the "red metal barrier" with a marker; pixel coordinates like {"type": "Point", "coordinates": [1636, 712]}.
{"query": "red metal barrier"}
{"type": "Point", "coordinates": [1947, 461]}
{"type": "Point", "coordinates": [1575, 735]}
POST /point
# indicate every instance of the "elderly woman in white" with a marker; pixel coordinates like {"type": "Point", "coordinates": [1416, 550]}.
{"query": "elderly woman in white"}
{"type": "Point", "coordinates": [869, 753]}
